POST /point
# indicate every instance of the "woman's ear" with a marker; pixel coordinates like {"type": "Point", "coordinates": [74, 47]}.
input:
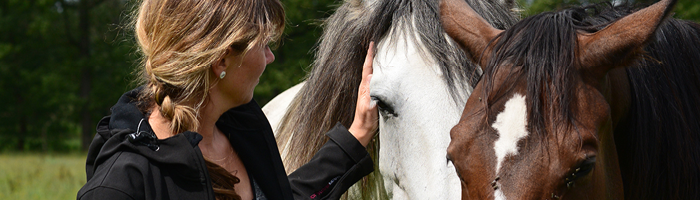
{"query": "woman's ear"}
{"type": "Point", "coordinates": [219, 67]}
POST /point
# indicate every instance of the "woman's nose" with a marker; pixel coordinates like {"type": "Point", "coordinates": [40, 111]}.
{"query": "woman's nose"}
{"type": "Point", "coordinates": [269, 56]}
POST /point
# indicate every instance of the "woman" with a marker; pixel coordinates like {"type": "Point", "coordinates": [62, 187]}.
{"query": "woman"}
{"type": "Point", "coordinates": [192, 130]}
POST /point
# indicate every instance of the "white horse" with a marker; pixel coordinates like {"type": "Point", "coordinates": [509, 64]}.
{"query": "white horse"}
{"type": "Point", "coordinates": [421, 80]}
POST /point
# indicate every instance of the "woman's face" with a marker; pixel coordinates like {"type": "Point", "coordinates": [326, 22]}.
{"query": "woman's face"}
{"type": "Point", "coordinates": [243, 79]}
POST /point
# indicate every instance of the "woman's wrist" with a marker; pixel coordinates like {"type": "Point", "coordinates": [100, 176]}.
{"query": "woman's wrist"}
{"type": "Point", "coordinates": [362, 135]}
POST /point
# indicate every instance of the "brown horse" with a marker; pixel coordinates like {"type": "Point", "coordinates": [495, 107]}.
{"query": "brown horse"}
{"type": "Point", "coordinates": [575, 104]}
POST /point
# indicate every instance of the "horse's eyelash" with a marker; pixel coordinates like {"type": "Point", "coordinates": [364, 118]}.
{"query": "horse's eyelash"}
{"type": "Point", "coordinates": [385, 108]}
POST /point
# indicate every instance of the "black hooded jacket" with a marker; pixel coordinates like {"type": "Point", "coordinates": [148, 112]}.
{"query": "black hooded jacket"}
{"type": "Point", "coordinates": [127, 161]}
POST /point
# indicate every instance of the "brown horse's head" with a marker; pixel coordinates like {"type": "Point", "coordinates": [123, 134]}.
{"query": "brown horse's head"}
{"type": "Point", "coordinates": [539, 123]}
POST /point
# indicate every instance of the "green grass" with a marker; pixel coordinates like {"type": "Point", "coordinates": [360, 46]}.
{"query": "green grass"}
{"type": "Point", "coordinates": [41, 176]}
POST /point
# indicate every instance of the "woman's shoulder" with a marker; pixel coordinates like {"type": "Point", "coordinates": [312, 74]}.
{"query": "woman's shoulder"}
{"type": "Point", "coordinates": [121, 176]}
{"type": "Point", "coordinates": [173, 170]}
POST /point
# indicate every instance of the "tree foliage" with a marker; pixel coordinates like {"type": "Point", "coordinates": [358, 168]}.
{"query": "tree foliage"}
{"type": "Point", "coordinates": [685, 9]}
{"type": "Point", "coordinates": [294, 53]}
{"type": "Point", "coordinates": [59, 60]}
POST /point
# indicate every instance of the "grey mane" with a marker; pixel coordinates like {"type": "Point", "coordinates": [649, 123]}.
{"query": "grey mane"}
{"type": "Point", "coordinates": [330, 92]}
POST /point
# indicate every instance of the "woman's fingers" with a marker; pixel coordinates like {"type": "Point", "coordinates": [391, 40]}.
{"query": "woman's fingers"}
{"type": "Point", "coordinates": [367, 71]}
{"type": "Point", "coordinates": [365, 122]}
{"type": "Point", "coordinates": [367, 67]}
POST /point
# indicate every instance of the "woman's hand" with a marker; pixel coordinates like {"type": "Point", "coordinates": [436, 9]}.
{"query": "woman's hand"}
{"type": "Point", "coordinates": [366, 120]}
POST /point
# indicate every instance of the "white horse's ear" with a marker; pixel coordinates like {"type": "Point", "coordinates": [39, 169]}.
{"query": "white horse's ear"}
{"type": "Point", "coordinates": [472, 32]}
{"type": "Point", "coordinates": [619, 43]}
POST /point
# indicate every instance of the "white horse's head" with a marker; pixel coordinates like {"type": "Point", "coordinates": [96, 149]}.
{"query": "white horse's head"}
{"type": "Point", "coordinates": [417, 111]}
{"type": "Point", "coordinates": [421, 79]}
{"type": "Point", "coordinates": [421, 84]}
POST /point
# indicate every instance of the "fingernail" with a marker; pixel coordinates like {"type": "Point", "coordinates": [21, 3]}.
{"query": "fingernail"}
{"type": "Point", "coordinates": [372, 103]}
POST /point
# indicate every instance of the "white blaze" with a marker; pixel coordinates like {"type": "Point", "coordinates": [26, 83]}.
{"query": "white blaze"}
{"type": "Point", "coordinates": [498, 194]}
{"type": "Point", "coordinates": [511, 126]}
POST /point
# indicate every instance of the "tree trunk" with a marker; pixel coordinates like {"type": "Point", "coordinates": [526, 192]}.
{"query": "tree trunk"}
{"type": "Point", "coordinates": [86, 117]}
{"type": "Point", "coordinates": [86, 73]}
{"type": "Point", "coordinates": [22, 133]}
{"type": "Point", "coordinates": [45, 135]}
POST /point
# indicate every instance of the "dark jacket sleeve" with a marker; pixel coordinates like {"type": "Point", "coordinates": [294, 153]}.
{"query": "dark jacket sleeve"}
{"type": "Point", "coordinates": [105, 193]}
{"type": "Point", "coordinates": [119, 177]}
{"type": "Point", "coordinates": [339, 164]}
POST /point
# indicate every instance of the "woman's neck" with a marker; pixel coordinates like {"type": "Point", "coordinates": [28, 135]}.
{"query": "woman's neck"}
{"type": "Point", "coordinates": [159, 124]}
{"type": "Point", "coordinates": [209, 113]}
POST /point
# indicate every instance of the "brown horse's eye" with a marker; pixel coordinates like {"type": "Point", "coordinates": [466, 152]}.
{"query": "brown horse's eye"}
{"type": "Point", "coordinates": [584, 168]}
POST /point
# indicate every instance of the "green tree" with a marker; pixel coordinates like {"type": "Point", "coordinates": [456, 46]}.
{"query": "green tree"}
{"type": "Point", "coordinates": [688, 9]}
{"type": "Point", "coordinates": [33, 75]}
{"type": "Point", "coordinates": [295, 50]}
{"type": "Point", "coordinates": [685, 9]}
{"type": "Point", "coordinates": [60, 68]}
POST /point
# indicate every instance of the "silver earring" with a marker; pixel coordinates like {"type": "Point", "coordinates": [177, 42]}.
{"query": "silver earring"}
{"type": "Point", "coordinates": [221, 76]}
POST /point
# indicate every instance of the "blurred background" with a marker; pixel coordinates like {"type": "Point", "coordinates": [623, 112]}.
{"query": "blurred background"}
{"type": "Point", "coordinates": [64, 63]}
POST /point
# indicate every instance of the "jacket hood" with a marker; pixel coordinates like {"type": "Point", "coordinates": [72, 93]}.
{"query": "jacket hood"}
{"type": "Point", "coordinates": [127, 130]}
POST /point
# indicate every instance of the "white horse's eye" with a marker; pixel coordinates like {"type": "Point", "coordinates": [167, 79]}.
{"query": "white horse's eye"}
{"type": "Point", "coordinates": [386, 109]}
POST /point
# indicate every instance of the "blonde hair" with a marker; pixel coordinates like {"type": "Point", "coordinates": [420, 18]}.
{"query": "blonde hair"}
{"type": "Point", "coordinates": [181, 39]}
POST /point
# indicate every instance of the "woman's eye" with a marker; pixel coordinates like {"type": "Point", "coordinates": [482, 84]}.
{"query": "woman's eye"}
{"type": "Point", "coordinates": [386, 109]}
{"type": "Point", "coordinates": [584, 168]}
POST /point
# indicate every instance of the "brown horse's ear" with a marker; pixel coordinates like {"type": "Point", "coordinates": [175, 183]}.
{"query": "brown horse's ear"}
{"type": "Point", "coordinates": [467, 27]}
{"type": "Point", "coordinates": [619, 43]}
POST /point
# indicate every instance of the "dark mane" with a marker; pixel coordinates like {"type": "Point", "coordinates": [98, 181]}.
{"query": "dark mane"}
{"type": "Point", "coordinates": [657, 144]}
{"type": "Point", "coordinates": [659, 154]}
{"type": "Point", "coordinates": [541, 49]}
{"type": "Point", "coordinates": [331, 89]}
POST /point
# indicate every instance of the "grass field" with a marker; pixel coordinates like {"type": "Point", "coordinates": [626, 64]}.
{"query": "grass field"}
{"type": "Point", "coordinates": [41, 176]}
